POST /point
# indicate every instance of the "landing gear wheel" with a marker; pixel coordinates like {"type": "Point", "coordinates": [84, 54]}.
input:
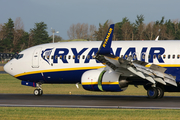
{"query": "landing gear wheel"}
{"type": "Point", "coordinates": [38, 92]}
{"type": "Point", "coordinates": [160, 92]}
{"type": "Point", "coordinates": [152, 93]}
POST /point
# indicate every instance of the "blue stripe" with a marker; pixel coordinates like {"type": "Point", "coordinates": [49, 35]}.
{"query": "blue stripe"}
{"type": "Point", "coordinates": [174, 71]}
{"type": "Point", "coordinates": [109, 88]}
{"type": "Point", "coordinates": [55, 77]}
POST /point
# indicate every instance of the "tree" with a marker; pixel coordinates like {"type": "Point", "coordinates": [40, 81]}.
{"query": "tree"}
{"type": "Point", "coordinates": [140, 26]}
{"type": "Point", "coordinates": [18, 34]}
{"type": "Point", "coordinates": [72, 32]}
{"type": "Point", "coordinates": [101, 33]}
{"type": "Point", "coordinates": [92, 30]}
{"type": "Point", "coordinates": [39, 35]}
{"type": "Point", "coordinates": [127, 29]}
{"type": "Point", "coordinates": [7, 36]}
{"type": "Point", "coordinates": [170, 30]}
{"type": "Point", "coordinates": [81, 31]}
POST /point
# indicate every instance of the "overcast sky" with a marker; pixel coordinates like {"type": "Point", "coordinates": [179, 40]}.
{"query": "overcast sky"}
{"type": "Point", "coordinates": [61, 14]}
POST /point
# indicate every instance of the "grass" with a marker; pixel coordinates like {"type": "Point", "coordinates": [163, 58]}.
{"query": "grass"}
{"type": "Point", "coordinates": [1, 68]}
{"type": "Point", "coordinates": [9, 84]}
{"type": "Point", "coordinates": [21, 113]}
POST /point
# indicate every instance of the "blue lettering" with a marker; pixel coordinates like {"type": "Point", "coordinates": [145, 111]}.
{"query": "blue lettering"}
{"type": "Point", "coordinates": [153, 51]}
{"type": "Point", "coordinates": [89, 56]}
{"type": "Point", "coordinates": [60, 52]}
{"type": "Point", "coordinates": [76, 54]}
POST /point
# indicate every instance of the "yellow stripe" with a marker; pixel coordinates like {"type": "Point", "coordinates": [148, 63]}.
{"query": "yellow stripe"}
{"type": "Point", "coordinates": [165, 65]}
{"type": "Point", "coordinates": [89, 83]}
{"type": "Point", "coordinates": [103, 83]}
{"type": "Point", "coordinates": [109, 83]}
{"type": "Point", "coordinates": [56, 70]}
{"type": "Point", "coordinates": [115, 58]}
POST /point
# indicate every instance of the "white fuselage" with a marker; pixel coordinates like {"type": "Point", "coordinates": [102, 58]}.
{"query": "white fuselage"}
{"type": "Point", "coordinates": [78, 56]}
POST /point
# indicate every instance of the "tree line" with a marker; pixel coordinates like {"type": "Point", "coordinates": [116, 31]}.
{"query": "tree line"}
{"type": "Point", "coordinates": [13, 38]}
{"type": "Point", "coordinates": [126, 30]}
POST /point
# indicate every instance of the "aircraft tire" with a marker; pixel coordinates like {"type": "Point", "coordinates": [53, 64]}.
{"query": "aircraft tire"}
{"type": "Point", "coordinates": [160, 92]}
{"type": "Point", "coordinates": [152, 93]}
{"type": "Point", "coordinates": [38, 92]}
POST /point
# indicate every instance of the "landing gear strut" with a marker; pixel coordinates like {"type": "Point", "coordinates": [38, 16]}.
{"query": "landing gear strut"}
{"type": "Point", "coordinates": [155, 92]}
{"type": "Point", "coordinates": [38, 91]}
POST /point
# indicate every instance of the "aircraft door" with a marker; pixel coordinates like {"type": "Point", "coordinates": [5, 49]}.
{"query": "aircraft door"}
{"type": "Point", "coordinates": [35, 58]}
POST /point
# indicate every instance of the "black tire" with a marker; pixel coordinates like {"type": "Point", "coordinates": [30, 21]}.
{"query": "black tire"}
{"type": "Point", "coordinates": [152, 93]}
{"type": "Point", "coordinates": [160, 92]}
{"type": "Point", "coordinates": [36, 92]}
{"type": "Point", "coordinates": [40, 92]}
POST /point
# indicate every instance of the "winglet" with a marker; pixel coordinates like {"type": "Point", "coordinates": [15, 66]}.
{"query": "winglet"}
{"type": "Point", "coordinates": [106, 44]}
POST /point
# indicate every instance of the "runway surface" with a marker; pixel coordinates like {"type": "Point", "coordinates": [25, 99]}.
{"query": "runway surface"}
{"type": "Point", "coordinates": [88, 101]}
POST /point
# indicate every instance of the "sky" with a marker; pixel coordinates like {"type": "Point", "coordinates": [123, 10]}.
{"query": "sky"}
{"type": "Point", "coordinates": [61, 14]}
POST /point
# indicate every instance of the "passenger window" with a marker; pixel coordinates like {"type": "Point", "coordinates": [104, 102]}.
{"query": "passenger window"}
{"type": "Point", "coordinates": [73, 56]}
{"type": "Point", "coordinates": [83, 56]}
{"type": "Point", "coordinates": [134, 57]}
{"type": "Point", "coordinates": [164, 56]}
{"type": "Point", "coordinates": [178, 56]}
{"type": "Point", "coordinates": [88, 57]}
{"type": "Point", "coordinates": [169, 56]}
{"type": "Point", "coordinates": [126, 57]}
{"type": "Point", "coordinates": [143, 56]}
{"type": "Point", "coordinates": [78, 56]}
{"type": "Point", "coordinates": [69, 57]}
{"type": "Point", "coordinates": [173, 56]}
{"type": "Point", "coordinates": [121, 56]}
{"type": "Point", "coordinates": [64, 57]}
{"type": "Point", "coordinates": [48, 57]}
{"type": "Point", "coordinates": [52, 57]}
{"type": "Point", "coordinates": [60, 57]}
{"type": "Point", "coordinates": [56, 57]}
{"type": "Point", "coordinates": [154, 56]}
{"type": "Point", "coordinates": [43, 57]}
{"type": "Point", "coordinates": [149, 56]}
{"type": "Point", "coordinates": [159, 56]}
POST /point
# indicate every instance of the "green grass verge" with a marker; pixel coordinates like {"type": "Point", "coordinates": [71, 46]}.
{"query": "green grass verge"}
{"type": "Point", "coordinates": [9, 84]}
{"type": "Point", "coordinates": [1, 68]}
{"type": "Point", "coordinates": [32, 113]}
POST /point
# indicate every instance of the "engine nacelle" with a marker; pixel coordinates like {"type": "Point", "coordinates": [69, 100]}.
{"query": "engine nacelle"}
{"type": "Point", "coordinates": [101, 80]}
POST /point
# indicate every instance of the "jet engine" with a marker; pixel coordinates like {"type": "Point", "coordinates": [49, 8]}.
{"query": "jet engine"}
{"type": "Point", "coordinates": [101, 80]}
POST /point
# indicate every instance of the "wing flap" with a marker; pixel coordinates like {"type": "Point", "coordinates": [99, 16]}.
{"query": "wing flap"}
{"type": "Point", "coordinates": [153, 74]}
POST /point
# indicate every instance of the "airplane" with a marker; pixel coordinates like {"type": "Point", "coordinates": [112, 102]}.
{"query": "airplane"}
{"type": "Point", "coordinates": [107, 66]}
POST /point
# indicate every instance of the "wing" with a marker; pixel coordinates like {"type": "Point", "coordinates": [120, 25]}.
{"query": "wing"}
{"type": "Point", "coordinates": [154, 73]}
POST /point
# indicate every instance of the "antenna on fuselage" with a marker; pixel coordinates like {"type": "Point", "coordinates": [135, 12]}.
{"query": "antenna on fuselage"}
{"type": "Point", "coordinates": [157, 38]}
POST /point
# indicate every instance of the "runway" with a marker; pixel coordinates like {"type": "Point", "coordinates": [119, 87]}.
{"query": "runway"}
{"type": "Point", "coordinates": [88, 101]}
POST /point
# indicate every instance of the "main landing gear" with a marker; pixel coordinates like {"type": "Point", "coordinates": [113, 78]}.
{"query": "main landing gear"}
{"type": "Point", "coordinates": [38, 91]}
{"type": "Point", "coordinates": [155, 92]}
